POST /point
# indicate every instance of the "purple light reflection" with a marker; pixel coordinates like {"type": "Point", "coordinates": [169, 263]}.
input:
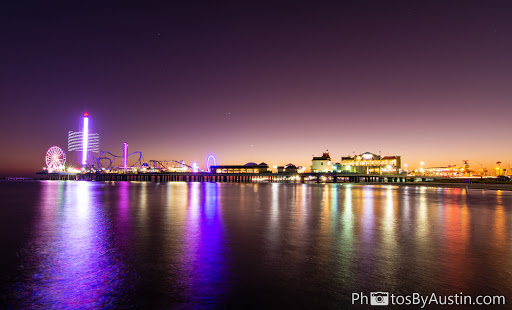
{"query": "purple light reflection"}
{"type": "Point", "coordinates": [204, 262]}
{"type": "Point", "coordinates": [70, 263]}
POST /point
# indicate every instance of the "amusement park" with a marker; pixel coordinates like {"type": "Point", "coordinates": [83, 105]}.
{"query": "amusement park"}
{"type": "Point", "coordinates": [87, 144]}
{"type": "Point", "coordinates": [126, 165]}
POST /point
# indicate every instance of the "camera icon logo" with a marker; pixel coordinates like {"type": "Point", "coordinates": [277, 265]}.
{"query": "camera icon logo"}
{"type": "Point", "coordinates": [379, 298]}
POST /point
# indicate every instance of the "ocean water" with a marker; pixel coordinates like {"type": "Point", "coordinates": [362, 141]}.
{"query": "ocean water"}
{"type": "Point", "coordinates": [136, 245]}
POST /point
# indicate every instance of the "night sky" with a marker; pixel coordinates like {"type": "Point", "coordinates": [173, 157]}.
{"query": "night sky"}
{"type": "Point", "coordinates": [264, 82]}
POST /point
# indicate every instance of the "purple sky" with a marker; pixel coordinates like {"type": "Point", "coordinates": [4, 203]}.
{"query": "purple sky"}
{"type": "Point", "coordinates": [260, 82]}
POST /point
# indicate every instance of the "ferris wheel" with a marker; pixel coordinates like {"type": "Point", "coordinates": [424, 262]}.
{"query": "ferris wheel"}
{"type": "Point", "coordinates": [55, 158]}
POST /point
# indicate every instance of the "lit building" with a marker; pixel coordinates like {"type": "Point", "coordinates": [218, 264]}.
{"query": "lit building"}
{"type": "Point", "coordinates": [247, 168]}
{"type": "Point", "coordinates": [322, 163]}
{"type": "Point", "coordinates": [290, 168]}
{"type": "Point", "coordinates": [337, 168]}
{"type": "Point", "coordinates": [369, 163]}
{"type": "Point", "coordinates": [450, 171]}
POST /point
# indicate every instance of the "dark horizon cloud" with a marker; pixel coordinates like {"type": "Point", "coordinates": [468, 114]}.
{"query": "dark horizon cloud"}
{"type": "Point", "coordinates": [259, 81]}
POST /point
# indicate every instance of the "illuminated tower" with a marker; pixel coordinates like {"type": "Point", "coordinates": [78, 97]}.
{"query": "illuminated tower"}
{"type": "Point", "coordinates": [125, 155]}
{"type": "Point", "coordinates": [84, 141]}
{"type": "Point", "coordinates": [85, 137]}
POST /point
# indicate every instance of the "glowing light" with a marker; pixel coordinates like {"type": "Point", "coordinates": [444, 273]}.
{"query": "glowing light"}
{"type": "Point", "coordinates": [208, 162]}
{"type": "Point", "coordinates": [378, 162]}
{"type": "Point", "coordinates": [85, 140]}
{"type": "Point", "coordinates": [195, 167]}
{"type": "Point", "coordinates": [55, 159]}
{"type": "Point", "coordinates": [367, 156]}
{"type": "Point", "coordinates": [75, 141]}
{"type": "Point", "coordinates": [125, 155]}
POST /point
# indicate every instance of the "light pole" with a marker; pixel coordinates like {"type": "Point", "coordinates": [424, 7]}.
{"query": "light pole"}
{"type": "Point", "coordinates": [481, 169]}
{"type": "Point", "coordinates": [499, 168]}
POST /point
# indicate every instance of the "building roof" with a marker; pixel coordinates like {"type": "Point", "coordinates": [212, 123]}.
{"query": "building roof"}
{"type": "Point", "coordinates": [325, 156]}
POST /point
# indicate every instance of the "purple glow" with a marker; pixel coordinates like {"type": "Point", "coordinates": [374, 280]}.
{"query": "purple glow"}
{"type": "Point", "coordinates": [208, 162]}
{"type": "Point", "coordinates": [195, 167]}
{"type": "Point", "coordinates": [204, 245]}
{"type": "Point", "coordinates": [78, 267]}
{"type": "Point", "coordinates": [85, 136]}
{"type": "Point", "coordinates": [125, 155]}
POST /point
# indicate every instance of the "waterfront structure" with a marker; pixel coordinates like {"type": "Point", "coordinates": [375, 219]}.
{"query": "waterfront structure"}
{"type": "Point", "coordinates": [55, 159]}
{"type": "Point", "coordinates": [170, 165]}
{"type": "Point", "coordinates": [108, 161]}
{"type": "Point", "coordinates": [247, 168]}
{"type": "Point", "coordinates": [290, 168]}
{"type": "Point", "coordinates": [450, 170]}
{"type": "Point", "coordinates": [209, 160]}
{"type": "Point", "coordinates": [75, 142]}
{"type": "Point", "coordinates": [322, 163]}
{"type": "Point", "coordinates": [337, 167]}
{"type": "Point", "coordinates": [84, 141]}
{"type": "Point", "coordinates": [370, 163]}
{"type": "Point", "coordinates": [125, 156]}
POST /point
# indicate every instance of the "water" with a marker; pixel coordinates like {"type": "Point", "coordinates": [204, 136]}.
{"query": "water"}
{"type": "Point", "coordinates": [90, 245]}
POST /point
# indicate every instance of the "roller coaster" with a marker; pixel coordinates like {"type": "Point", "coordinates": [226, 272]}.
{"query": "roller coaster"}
{"type": "Point", "coordinates": [108, 161]}
{"type": "Point", "coordinates": [166, 164]}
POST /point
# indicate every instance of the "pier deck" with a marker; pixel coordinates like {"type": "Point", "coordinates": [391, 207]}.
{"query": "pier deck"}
{"type": "Point", "coordinates": [330, 177]}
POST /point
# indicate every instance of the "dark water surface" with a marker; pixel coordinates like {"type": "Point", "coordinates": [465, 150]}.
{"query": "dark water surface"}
{"type": "Point", "coordinates": [91, 245]}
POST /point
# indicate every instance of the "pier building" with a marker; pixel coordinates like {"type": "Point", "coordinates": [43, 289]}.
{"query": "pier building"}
{"type": "Point", "coordinates": [370, 163]}
{"type": "Point", "coordinates": [322, 163]}
{"type": "Point", "coordinates": [247, 168]}
{"type": "Point", "coordinates": [451, 170]}
{"type": "Point", "coordinates": [290, 168]}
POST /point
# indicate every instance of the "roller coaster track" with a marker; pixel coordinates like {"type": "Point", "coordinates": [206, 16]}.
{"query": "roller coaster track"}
{"type": "Point", "coordinates": [105, 156]}
{"type": "Point", "coordinates": [164, 164]}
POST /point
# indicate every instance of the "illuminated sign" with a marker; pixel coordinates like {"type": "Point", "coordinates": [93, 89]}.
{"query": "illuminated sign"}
{"type": "Point", "coordinates": [370, 163]}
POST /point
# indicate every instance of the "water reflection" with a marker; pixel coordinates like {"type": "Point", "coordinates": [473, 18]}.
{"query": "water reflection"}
{"type": "Point", "coordinates": [213, 245]}
{"type": "Point", "coordinates": [71, 263]}
{"type": "Point", "coordinates": [202, 260]}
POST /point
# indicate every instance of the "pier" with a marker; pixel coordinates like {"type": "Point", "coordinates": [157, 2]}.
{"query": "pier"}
{"type": "Point", "coordinates": [329, 177]}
